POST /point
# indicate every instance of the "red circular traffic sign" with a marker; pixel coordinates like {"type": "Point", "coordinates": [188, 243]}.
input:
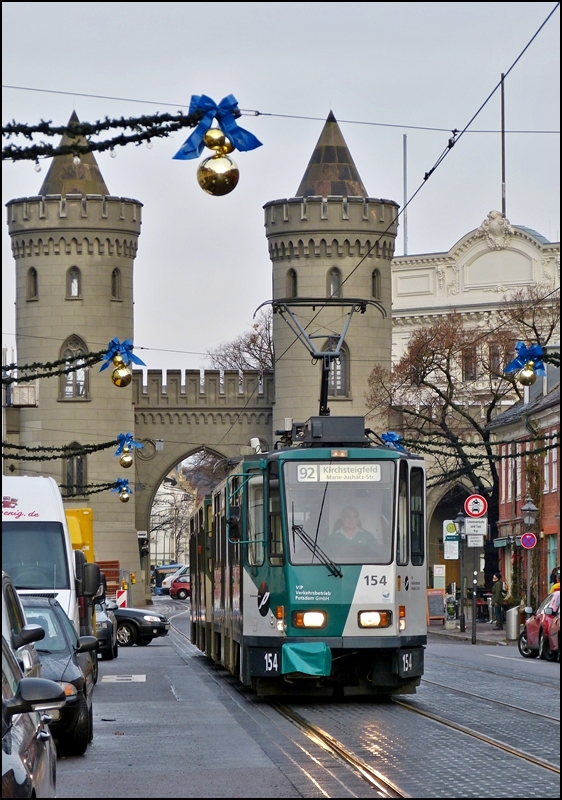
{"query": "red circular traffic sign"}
{"type": "Point", "coordinates": [476, 505]}
{"type": "Point", "coordinates": [528, 540]}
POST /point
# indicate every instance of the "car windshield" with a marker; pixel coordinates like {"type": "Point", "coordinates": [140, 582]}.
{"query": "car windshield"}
{"type": "Point", "coordinates": [55, 640]}
{"type": "Point", "coordinates": [34, 556]}
{"type": "Point", "coordinates": [344, 509]}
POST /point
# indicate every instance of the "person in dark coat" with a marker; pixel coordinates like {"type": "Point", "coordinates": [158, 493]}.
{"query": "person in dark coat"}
{"type": "Point", "coordinates": [497, 600]}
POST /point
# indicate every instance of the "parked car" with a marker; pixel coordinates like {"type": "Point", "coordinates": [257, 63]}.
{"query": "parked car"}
{"type": "Point", "coordinates": [65, 658]}
{"type": "Point", "coordinates": [29, 756]}
{"type": "Point", "coordinates": [19, 634]}
{"type": "Point", "coordinates": [169, 579]}
{"type": "Point", "coordinates": [541, 636]}
{"type": "Point", "coordinates": [180, 587]}
{"type": "Point", "coordinates": [163, 575]}
{"type": "Point", "coordinates": [106, 629]}
{"type": "Point", "coordinates": [139, 626]}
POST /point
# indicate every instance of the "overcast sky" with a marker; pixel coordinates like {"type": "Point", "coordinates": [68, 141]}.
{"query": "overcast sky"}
{"type": "Point", "coordinates": [405, 68]}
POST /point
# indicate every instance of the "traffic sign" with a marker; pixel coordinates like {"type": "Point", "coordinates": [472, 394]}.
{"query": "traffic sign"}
{"type": "Point", "coordinates": [474, 540]}
{"type": "Point", "coordinates": [476, 526]}
{"type": "Point", "coordinates": [528, 540]}
{"type": "Point", "coordinates": [476, 505]}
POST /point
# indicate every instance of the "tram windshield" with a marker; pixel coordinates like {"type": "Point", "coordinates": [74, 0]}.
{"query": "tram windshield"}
{"type": "Point", "coordinates": [344, 507]}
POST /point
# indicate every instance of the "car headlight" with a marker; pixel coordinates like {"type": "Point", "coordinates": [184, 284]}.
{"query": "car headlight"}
{"type": "Point", "coordinates": [152, 618]}
{"type": "Point", "coordinates": [70, 689]}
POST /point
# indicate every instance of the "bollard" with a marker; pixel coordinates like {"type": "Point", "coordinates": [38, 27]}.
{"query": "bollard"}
{"type": "Point", "coordinates": [512, 624]}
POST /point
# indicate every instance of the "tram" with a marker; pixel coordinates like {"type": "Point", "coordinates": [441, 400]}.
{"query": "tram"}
{"type": "Point", "coordinates": [308, 565]}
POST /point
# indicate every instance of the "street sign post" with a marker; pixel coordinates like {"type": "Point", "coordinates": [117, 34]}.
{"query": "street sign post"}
{"type": "Point", "coordinates": [476, 505]}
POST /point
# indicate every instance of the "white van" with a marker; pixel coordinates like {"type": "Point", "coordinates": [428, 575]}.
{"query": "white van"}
{"type": "Point", "coordinates": [167, 582]}
{"type": "Point", "coordinates": [37, 551]}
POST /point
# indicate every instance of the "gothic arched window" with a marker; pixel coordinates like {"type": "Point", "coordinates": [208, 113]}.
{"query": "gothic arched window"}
{"type": "Point", "coordinates": [376, 284]}
{"type": "Point", "coordinates": [338, 381]}
{"type": "Point", "coordinates": [334, 282]}
{"type": "Point", "coordinates": [292, 284]}
{"type": "Point", "coordinates": [74, 385]}
{"type": "Point", "coordinates": [73, 283]}
{"type": "Point", "coordinates": [116, 284]}
{"type": "Point", "coordinates": [74, 477]}
{"type": "Point", "coordinates": [32, 286]}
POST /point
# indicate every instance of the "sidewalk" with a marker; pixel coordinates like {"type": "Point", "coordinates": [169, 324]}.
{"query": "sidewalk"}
{"type": "Point", "coordinates": [486, 633]}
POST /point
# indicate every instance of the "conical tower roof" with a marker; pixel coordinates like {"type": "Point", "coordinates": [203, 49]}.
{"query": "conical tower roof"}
{"type": "Point", "coordinates": [331, 169]}
{"type": "Point", "coordinates": [65, 177]}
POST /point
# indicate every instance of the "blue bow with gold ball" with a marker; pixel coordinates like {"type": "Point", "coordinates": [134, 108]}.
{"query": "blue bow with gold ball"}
{"type": "Point", "coordinates": [225, 113]}
{"type": "Point", "coordinates": [122, 486]}
{"type": "Point", "coordinates": [524, 356]}
{"type": "Point", "coordinates": [126, 442]}
{"type": "Point", "coordinates": [120, 351]}
{"type": "Point", "coordinates": [393, 440]}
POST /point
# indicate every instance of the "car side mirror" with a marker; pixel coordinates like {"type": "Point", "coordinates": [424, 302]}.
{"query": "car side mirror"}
{"type": "Point", "coordinates": [233, 523]}
{"type": "Point", "coordinates": [111, 606]}
{"type": "Point", "coordinates": [87, 643]}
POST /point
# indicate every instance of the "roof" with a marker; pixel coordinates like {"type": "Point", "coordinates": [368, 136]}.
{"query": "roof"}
{"type": "Point", "coordinates": [516, 412]}
{"type": "Point", "coordinates": [65, 177]}
{"type": "Point", "coordinates": [538, 236]}
{"type": "Point", "coordinates": [331, 169]}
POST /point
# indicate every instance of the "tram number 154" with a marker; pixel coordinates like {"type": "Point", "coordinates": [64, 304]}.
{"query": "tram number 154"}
{"type": "Point", "coordinates": [265, 661]}
{"type": "Point", "coordinates": [410, 662]}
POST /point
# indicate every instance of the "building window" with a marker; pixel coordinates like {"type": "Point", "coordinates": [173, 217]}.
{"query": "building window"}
{"type": "Point", "coordinates": [116, 284]}
{"type": "Point", "coordinates": [338, 381]}
{"type": "Point", "coordinates": [554, 462]}
{"type": "Point", "coordinates": [32, 290]}
{"type": "Point", "coordinates": [73, 283]}
{"type": "Point", "coordinates": [495, 359]}
{"type": "Point", "coordinates": [75, 472]}
{"type": "Point", "coordinates": [74, 385]}
{"type": "Point", "coordinates": [546, 472]}
{"type": "Point", "coordinates": [376, 284]}
{"type": "Point", "coordinates": [518, 471]}
{"type": "Point", "coordinates": [503, 453]}
{"type": "Point", "coordinates": [292, 286]}
{"type": "Point", "coordinates": [469, 364]}
{"type": "Point", "coordinates": [334, 282]}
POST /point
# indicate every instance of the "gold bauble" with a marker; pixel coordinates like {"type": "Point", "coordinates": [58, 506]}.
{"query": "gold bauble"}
{"type": "Point", "coordinates": [126, 460]}
{"type": "Point", "coordinates": [118, 360]}
{"type": "Point", "coordinates": [527, 376]}
{"type": "Point", "coordinates": [122, 376]}
{"type": "Point", "coordinates": [217, 175]}
{"type": "Point", "coordinates": [124, 496]}
{"type": "Point", "coordinates": [215, 139]}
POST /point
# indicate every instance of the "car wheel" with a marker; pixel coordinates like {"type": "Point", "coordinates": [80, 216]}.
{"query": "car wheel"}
{"type": "Point", "coordinates": [126, 634]}
{"type": "Point", "coordinates": [544, 648]}
{"type": "Point", "coordinates": [182, 594]}
{"type": "Point", "coordinates": [91, 726]}
{"type": "Point", "coordinates": [524, 648]}
{"type": "Point", "coordinates": [144, 640]}
{"type": "Point", "coordinates": [95, 668]}
{"type": "Point", "coordinates": [115, 650]}
{"type": "Point", "coordinates": [108, 655]}
{"type": "Point", "coordinates": [76, 742]}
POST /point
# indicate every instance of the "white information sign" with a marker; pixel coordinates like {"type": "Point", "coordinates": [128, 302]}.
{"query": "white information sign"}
{"type": "Point", "coordinates": [338, 472]}
{"type": "Point", "coordinates": [474, 540]}
{"type": "Point", "coordinates": [439, 569]}
{"type": "Point", "coordinates": [476, 526]}
{"type": "Point", "coordinates": [450, 550]}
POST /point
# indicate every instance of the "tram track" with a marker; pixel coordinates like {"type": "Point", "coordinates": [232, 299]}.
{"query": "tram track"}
{"type": "Point", "coordinates": [491, 700]}
{"type": "Point", "coordinates": [482, 737]}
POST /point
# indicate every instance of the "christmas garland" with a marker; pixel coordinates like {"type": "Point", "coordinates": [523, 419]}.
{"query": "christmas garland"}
{"type": "Point", "coordinates": [145, 128]}
{"type": "Point", "coordinates": [80, 362]}
{"type": "Point", "coordinates": [66, 451]}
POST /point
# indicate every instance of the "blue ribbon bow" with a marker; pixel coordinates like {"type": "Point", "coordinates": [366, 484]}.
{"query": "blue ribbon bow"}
{"type": "Point", "coordinates": [525, 354]}
{"type": "Point", "coordinates": [126, 440]}
{"type": "Point", "coordinates": [123, 349]}
{"type": "Point", "coordinates": [225, 113]}
{"type": "Point", "coordinates": [393, 440]}
{"type": "Point", "coordinates": [122, 485]}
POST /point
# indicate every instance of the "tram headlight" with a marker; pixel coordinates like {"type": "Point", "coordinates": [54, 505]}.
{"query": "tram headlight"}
{"type": "Point", "coordinates": [309, 619]}
{"type": "Point", "coordinates": [374, 619]}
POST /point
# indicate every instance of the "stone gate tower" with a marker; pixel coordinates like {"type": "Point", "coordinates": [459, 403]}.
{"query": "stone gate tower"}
{"type": "Point", "coordinates": [74, 247]}
{"type": "Point", "coordinates": [331, 240]}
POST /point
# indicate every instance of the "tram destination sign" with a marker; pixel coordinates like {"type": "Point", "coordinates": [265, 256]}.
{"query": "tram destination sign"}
{"type": "Point", "coordinates": [338, 472]}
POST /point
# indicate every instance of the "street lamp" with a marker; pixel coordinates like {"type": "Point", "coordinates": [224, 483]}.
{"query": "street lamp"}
{"type": "Point", "coordinates": [529, 514]}
{"type": "Point", "coordinates": [459, 525]}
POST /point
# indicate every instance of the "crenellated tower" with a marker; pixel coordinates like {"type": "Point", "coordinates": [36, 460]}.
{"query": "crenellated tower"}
{"type": "Point", "coordinates": [74, 247]}
{"type": "Point", "coordinates": [330, 241]}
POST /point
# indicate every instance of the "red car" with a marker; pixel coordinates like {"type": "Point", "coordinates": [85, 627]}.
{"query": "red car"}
{"type": "Point", "coordinates": [541, 636]}
{"type": "Point", "coordinates": [180, 589]}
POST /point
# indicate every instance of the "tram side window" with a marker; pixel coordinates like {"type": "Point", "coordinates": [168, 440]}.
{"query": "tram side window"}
{"type": "Point", "coordinates": [217, 508]}
{"type": "Point", "coordinates": [255, 517]}
{"type": "Point", "coordinates": [417, 516]}
{"type": "Point", "coordinates": [402, 532]}
{"type": "Point", "coordinates": [276, 552]}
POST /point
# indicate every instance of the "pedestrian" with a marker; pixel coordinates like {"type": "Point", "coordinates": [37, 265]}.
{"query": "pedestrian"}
{"type": "Point", "coordinates": [497, 600]}
{"type": "Point", "coordinates": [554, 576]}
